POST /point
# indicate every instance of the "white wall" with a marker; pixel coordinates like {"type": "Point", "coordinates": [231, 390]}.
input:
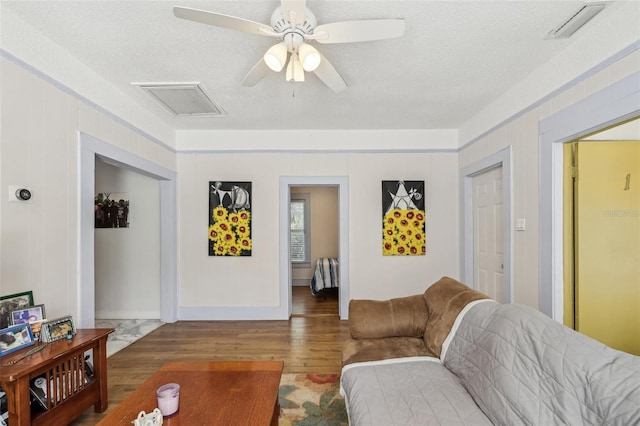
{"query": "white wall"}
{"type": "Point", "coordinates": [218, 282]}
{"type": "Point", "coordinates": [522, 134]}
{"type": "Point", "coordinates": [127, 260]}
{"type": "Point", "coordinates": [39, 149]}
{"type": "Point", "coordinates": [39, 129]}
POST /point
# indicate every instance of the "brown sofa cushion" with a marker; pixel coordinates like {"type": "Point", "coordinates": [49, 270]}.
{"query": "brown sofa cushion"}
{"type": "Point", "coordinates": [445, 299]}
{"type": "Point", "coordinates": [401, 317]}
{"type": "Point", "coordinates": [385, 348]}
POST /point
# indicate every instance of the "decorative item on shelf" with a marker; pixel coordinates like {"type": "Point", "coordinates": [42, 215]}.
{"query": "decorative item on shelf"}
{"type": "Point", "coordinates": [11, 303]}
{"type": "Point", "coordinates": [14, 338]}
{"type": "Point", "coordinates": [36, 327]}
{"type": "Point", "coordinates": [27, 315]}
{"type": "Point", "coordinates": [153, 418]}
{"type": "Point", "coordinates": [59, 328]}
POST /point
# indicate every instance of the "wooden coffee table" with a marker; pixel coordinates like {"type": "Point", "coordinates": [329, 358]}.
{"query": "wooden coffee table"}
{"type": "Point", "coordinates": [212, 393]}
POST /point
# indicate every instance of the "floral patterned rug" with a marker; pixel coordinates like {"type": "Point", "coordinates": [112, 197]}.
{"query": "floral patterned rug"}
{"type": "Point", "coordinates": [311, 399]}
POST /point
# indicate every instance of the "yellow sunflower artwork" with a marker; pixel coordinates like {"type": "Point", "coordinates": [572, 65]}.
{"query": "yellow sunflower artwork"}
{"type": "Point", "coordinates": [230, 218]}
{"type": "Point", "coordinates": [403, 218]}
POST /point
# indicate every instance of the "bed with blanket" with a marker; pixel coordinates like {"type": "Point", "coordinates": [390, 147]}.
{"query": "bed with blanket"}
{"type": "Point", "coordinates": [326, 275]}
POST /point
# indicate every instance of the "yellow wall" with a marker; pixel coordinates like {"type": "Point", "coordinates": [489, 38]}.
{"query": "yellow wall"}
{"type": "Point", "coordinates": [607, 217]}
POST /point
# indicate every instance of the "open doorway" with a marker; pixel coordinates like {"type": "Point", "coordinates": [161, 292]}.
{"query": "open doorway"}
{"type": "Point", "coordinates": [601, 228]}
{"type": "Point", "coordinates": [314, 248]}
{"type": "Point", "coordinates": [616, 104]}
{"type": "Point", "coordinates": [127, 253]}
{"type": "Point", "coordinates": [341, 183]}
{"type": "Point", "coordinates": [90, 149]}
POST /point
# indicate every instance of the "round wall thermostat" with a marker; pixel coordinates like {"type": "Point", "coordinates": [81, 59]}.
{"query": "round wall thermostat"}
{"type": "Point", "coordinates": [23, 194]}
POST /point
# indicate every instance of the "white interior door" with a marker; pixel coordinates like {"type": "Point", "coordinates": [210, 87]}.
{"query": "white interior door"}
{"type": "Point", "coordinates": [488, 234]}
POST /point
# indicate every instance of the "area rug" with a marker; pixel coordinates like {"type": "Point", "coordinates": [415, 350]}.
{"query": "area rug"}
{"type": "Point", "coordinates": [127, 331]}
{"type": "Point", "coordinates": [311, 400]}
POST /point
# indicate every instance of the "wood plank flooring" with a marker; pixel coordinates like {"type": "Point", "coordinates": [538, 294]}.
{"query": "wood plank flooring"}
{"type": "Point", "coordinates": [311, 342]}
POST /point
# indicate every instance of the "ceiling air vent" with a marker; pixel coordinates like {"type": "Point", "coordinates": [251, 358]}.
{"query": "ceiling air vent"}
{"type": "Point", "coordinates": [183, 99]}
{"type": "Point", "coordinates": [575, 21]}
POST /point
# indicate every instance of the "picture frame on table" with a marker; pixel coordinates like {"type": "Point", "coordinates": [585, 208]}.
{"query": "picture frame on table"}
{"type": "Point", "coordinates": [12, 302]}
{"type": "Point", "coordinates": [27, 315]}
{"type": "Point", "coordinates": [56, 329]}
{"type": "Point", "coordinates": [15, 338]}
{"type": "Point", "coordinates": [36, 326]}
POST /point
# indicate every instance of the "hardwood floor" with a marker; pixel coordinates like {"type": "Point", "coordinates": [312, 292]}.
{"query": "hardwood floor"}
{"type": "Point", "coordinates": [311, 342]}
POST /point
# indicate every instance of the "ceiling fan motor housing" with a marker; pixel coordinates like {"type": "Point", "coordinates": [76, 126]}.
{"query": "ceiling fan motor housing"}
{"type": "Point", "coordinates": [281, 25]}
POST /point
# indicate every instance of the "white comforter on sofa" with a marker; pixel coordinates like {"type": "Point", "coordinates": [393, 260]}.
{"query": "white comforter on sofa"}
{"type": "Point", "coordinates": [502, 364]}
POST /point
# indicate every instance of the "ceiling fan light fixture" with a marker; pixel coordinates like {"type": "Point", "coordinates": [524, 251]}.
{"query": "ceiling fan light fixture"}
{"type": "Point", "coordinates": [309, 57]}
{"type": "Point", "coordinates": [276, 57]}
{"type": "Point", "coordinates": [295, 73]}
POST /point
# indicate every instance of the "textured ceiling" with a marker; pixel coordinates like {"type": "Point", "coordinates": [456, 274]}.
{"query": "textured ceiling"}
{"type": "Point", "coordinates": [454, 59]}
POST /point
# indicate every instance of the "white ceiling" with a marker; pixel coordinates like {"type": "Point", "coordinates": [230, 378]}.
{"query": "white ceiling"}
{"type": "Point", "coordinates": [454, 59]}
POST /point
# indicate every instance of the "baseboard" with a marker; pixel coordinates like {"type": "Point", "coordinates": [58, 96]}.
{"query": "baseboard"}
{"type": "Point", "coordinates": [240, 313]}
{"type": "Point", "coordinates": [127, 314]}
{"type": "Point", "coordinates": [301, 283]}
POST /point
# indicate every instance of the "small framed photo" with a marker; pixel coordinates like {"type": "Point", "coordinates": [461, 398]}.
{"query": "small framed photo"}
{"type": "Point", "coordinates": [11, 303]}
{"type": "Point", "coordinates": [36, 326]}
{"type": "Point", "coordinates": [27, 315]}
{"type": "Point", "coordinates": [59, 328]}
{"type": "Point", "coordinates": [14, 338]}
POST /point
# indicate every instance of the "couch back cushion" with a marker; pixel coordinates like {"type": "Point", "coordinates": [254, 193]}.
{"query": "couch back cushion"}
{"type": "Point", "coordinates": [445, 299]}
{"type": "Point", "coordinates": [523, 368]}
{"type": "Point", "coordinates": [401, 317]}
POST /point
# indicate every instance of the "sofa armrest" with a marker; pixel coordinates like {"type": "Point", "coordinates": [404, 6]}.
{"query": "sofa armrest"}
{"type": "Point", "coordinates": [445, 300]}
{"type": "Point", "coordinates": [401, 317]}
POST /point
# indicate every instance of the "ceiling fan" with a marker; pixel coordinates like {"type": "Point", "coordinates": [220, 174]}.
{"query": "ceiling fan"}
{"type": "Point", "coordinates": [296, 26]}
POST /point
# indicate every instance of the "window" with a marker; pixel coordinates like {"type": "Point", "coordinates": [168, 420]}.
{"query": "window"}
{"type": "Point", "coordinates": [300, 231]}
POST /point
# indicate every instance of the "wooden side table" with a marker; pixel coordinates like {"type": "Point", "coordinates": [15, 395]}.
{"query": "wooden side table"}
{"type": "Point", "coordinates": [62, 363]}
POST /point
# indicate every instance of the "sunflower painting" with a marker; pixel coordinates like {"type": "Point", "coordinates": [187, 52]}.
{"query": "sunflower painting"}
{"type": "Point", "coordinates": [229, 218]}
{"type": "Point", "coordinates": [403, 218]}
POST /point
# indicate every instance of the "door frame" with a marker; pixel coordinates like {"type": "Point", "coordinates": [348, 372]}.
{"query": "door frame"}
{"type": "Point", "coordinates": [342, 182]}
{"type": "Point", "coordinates": [502, 159]}
{"type": "Point", "coordinates": [90, 148]}
{"type": "Point", "coordinates": [613, 105]}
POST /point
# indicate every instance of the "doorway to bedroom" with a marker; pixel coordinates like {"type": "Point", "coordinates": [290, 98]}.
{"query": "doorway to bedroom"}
{"type": "Point", "coordinates": [341, 225]}
{"type": "Point", "coordinates": [313, 250]}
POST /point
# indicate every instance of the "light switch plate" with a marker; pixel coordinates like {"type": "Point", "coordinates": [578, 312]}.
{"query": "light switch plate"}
{"type": "Point", "coordinates": [521, 224]}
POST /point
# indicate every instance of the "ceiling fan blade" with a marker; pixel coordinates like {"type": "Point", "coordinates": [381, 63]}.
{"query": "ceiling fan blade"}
{"type": "Point", "coordinates": [329, 76]}
{"type": "Point", "coordinates": [357, 31]}
{"type": "Point", "coordinates": [257, 73]}
{"type": "Point", "coordinates": [293, 11]}
{"type": "Point", "coordinates": [224, 21]}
